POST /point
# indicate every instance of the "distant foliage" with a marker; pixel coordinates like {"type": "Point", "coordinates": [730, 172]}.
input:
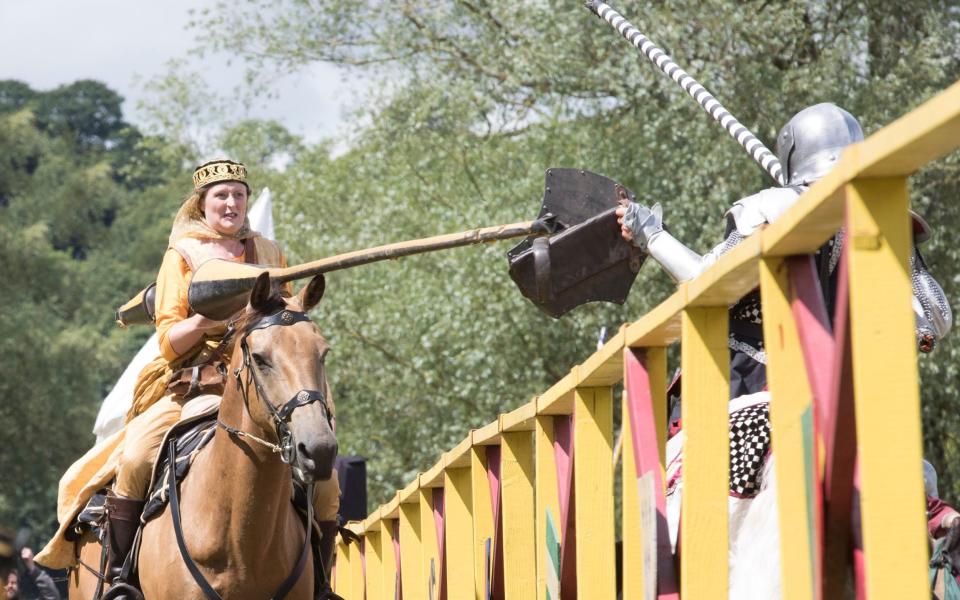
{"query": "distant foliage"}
{"type": "Point", "coordinates": [88, 112]}
{"type": "Point", "coordinates": [14, 94]}
{"type": "Point", "coordinates": [82, 227]}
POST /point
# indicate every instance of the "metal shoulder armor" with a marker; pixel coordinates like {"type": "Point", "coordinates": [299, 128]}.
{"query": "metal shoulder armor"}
{"type": "Point", "coordinates": [753, 212]}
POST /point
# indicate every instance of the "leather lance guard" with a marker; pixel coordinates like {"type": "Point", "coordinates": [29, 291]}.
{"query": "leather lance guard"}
{"type": "Point", "coordinates": [586, 260]}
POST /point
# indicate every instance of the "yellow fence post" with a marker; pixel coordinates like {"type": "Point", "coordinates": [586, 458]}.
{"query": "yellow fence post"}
{"type": "Point", "coordinates": [343, 582]}
{"type": "Point", "coordinates": [887, 398]}
{"type": "Point", "coordinates": [644, 409]}
{"type": "Point", "coordinates": [593, 490]}
{"type": "Point", "coordinates": [631, 527]}
{"type": "Point", "coordinates": [429, 544]}
{"type": "Point", "coordinates": [704, 537]}
{"type": "Point", "coordinates": [411, 557]}
{"type": "Point", "coordinates": [389, 531]}
{"type": "Point", "coordinates": [459, 528]}
{"type": "Point", "coordinates": [792, 430]}
{"type": "Point", "coordinates": [547, 497]}
{"type": "Point", "coordinates": [484, 528]}
{"type": "Point", "coordinates": [373, 571]}
{"type": "Point", "coordinates": [656, 359]}
{"type": "Point", "coordinates": [356, 570]}
{"type": "Point", "coordinates": [519, 531]}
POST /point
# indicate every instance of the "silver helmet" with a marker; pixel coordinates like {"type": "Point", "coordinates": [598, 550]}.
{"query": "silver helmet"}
{"type": "Point", "coordinates": [811, 142]}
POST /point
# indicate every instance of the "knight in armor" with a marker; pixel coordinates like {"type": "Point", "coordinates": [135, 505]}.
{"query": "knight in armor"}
{"type": "Point", "coordinates": [211, 223]}
{"type": "Point", "coordinates": [808, 147]}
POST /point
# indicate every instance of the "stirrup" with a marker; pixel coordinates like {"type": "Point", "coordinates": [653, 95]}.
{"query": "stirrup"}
{"type": "Point", "coordinates": [122, 589]}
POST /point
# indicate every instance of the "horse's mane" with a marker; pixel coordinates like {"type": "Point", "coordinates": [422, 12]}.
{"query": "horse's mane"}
{"type": "Point", "coordinates": [251, 316]}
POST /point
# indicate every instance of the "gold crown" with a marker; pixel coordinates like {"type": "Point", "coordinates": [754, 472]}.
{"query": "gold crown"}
{"type": "Point", "coordinates": [218, 170]}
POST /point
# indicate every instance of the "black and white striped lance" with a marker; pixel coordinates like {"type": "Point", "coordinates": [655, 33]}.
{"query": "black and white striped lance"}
{"type": "Point", "coordinates": [760, 153]}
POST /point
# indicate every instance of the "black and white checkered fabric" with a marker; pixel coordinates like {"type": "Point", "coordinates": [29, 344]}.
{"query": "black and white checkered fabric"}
{"type": "Point", "coordinates": [748, 309]}
{"type": "Point", "coordinates": [928, 292]}
{"type": "Point", "coordinates": [749, 446]}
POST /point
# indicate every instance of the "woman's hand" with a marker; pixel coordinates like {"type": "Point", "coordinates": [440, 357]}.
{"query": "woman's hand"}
{"type": "Point", "coordinates": [202, 323]}
{"type": "Point", "coordinates": [188, 332]}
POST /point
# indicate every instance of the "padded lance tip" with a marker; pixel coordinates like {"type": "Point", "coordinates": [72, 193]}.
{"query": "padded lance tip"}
{"type": "Point", "coordinates": [586, 259]}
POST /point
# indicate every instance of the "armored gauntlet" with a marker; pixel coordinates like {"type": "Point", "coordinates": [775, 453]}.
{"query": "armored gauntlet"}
{"type": "Point", "coordinates": [646, 224]}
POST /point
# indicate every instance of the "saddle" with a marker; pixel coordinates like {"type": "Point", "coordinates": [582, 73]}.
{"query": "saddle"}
{"type": "Point", "coordinates": [192, 432]}
{"type": "Point", "coordinates": [191, 436]}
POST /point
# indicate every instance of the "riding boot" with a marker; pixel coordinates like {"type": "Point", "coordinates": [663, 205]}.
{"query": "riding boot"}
{"type": "Point", "coordinates": [323, 560]}
{"type": "Point", "coordinates": [123, 520]}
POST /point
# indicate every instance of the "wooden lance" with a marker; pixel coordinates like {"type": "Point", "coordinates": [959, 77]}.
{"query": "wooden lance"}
{"type": "Point", "coordinates": [220, 288]}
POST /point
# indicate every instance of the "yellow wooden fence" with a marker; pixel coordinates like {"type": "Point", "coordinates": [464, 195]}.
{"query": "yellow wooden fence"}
{"type": "Point", "coordinates": [485, 514]}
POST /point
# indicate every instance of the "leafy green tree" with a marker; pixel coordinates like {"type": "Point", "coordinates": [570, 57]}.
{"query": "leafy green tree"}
{"type": "Point", "coordinates": [86, 111]}
{"type": "Point", "coordinates": [48, 383]}
{"type": "Point", "coordinates": [14, 95]}
{"type": "Point", "coordinates": [23, 146]}
{"type": "Point", "coordinates": [261, 145]}
{"type": "Point", "coordinates": [78, 236]}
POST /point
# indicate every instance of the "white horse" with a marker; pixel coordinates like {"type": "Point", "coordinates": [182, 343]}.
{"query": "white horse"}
{"type": "Point", "coordinates": [754, 550]}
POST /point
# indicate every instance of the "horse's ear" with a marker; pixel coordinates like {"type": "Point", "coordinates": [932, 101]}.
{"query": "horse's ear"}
{"type": "Point", "coordinates": [260, 295]}
{"type": "Point", "coordinates": [311, 293]}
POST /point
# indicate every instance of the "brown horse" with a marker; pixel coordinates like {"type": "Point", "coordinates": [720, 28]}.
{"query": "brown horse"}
{"type": "Point", "coordinates": [239, 525]}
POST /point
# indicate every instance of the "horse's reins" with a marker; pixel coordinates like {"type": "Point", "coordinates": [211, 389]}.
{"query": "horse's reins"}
{"type": "Point", "coordinates": [285, 447]}
{"type": "Point", "coordinates": [101, 578]}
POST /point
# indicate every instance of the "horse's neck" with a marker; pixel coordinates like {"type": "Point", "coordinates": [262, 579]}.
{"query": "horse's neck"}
{"type": "Point", "coordinates": [247, 486]}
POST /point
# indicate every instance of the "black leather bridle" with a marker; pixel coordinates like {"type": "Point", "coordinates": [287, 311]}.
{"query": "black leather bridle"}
{"type": "Point", "coordinates": [285, 445]}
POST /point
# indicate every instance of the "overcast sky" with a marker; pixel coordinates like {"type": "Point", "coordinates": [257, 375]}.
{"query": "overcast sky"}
{"type": "Point", "coordinates": [47, 43]}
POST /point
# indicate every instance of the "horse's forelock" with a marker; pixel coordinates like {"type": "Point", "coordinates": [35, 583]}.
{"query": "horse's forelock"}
{"type": "Point", "coordinates": [251, 315]}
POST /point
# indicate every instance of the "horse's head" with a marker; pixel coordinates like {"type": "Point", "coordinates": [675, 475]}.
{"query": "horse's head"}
{"type": "Point", "coordinates": [280, 356]}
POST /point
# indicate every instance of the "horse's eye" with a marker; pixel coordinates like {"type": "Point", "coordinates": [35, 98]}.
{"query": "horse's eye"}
{"type": "Point", "coordinates": [260, 360]}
